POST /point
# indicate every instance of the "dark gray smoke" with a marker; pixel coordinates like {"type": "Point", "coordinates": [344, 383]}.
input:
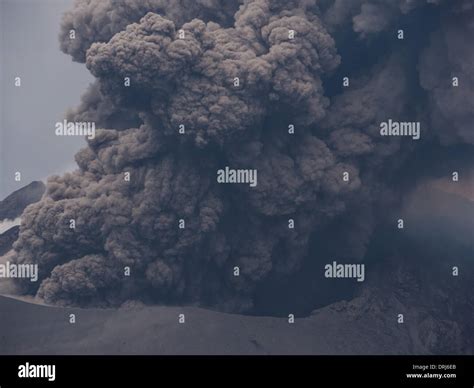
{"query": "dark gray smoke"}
{"type": "Point", "coordinates": [369, 17]}
{"type": "Point", "coordinates": [190, 81]}
{"type": "Point", "coordinates": [449, 55]}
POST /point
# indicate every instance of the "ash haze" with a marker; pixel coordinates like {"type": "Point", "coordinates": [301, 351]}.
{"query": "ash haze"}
{"type": "Point", "coordinates": [183, 89]}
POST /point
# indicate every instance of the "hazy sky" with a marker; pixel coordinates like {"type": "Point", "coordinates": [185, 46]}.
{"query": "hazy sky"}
{"type": "Point", "coordinates": [50, 84]}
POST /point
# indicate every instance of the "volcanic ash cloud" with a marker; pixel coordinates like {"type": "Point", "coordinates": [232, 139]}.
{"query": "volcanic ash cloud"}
{"type": "Point", "coordinates": [145, 198]}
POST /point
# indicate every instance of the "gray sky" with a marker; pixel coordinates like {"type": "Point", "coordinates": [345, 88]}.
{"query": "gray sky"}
{"type": "Point", "coordinates": [50, 84]}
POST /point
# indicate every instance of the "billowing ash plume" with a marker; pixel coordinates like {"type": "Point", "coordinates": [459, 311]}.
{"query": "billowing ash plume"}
{"type": "Point", "coordinates": [232, 76]}
{"type": "Point", "coordinates": [98, 21]}
{"type": "Point", "coordinates": [450, 56]}
{"type": "Point", "coordinates": [370, 17]}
